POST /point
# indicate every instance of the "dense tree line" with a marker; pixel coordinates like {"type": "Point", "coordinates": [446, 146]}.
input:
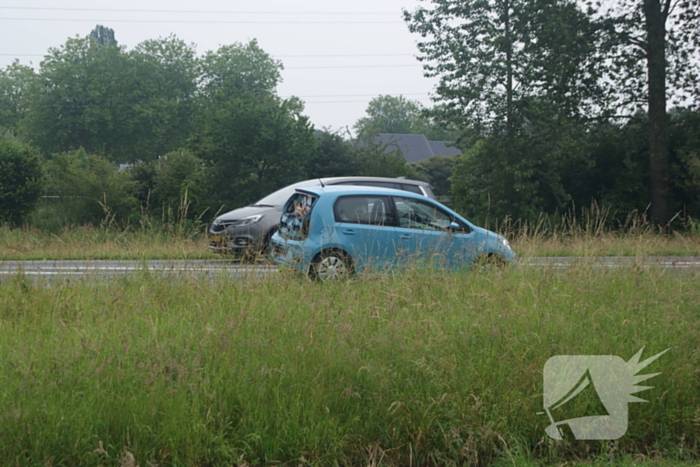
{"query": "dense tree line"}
{"type": "Point", "coordinates": [554, 104]}
{"type": "Point", "coordinates": [159, 132]}
{"type": "Point", "coordinates": [547, 93]}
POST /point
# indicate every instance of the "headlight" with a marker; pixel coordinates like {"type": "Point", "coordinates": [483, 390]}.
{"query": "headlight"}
{"type": "Point", "coordinates": [504, 242]}
{"type": "Point", "coordinates": [250, 220]}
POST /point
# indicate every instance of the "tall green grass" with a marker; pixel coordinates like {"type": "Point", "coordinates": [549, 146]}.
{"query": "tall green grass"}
{"type": "Point", "coordinates": [424, 369]}
{"type": "Point", "coordinates": [103, 242]}
{"type": "Point", "coordinates": [50, 234]}
{"type": "Point", "coordinates": [599, 231]}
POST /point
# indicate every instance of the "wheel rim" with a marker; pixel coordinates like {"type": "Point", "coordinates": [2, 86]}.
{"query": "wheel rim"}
{"type": "Point", "coordinates": [331, 268]}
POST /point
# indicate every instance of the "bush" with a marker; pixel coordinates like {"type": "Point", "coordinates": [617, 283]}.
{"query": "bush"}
{"type": "Point", "coordinates": [88, 190]}
{"type": "Point", "coordinates": [178, 186]}
{"type": "Point", "coordinates": [20, 181]}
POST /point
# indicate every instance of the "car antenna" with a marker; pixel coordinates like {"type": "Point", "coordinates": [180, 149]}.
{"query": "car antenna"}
{"type": "Point", "coordinates": [321, 181]}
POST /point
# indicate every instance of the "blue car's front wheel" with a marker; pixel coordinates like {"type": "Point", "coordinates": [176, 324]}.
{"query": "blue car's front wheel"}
{"type": "Point", "coordinates": [491, 262]}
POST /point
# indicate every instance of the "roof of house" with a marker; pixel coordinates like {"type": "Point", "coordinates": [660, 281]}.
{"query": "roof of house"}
{"type": "Point", "coordinates": [415, 148]}
{"type": "Point", "coordinates": [443, 148]}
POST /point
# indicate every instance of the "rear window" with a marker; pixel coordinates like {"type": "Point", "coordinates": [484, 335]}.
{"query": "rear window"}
{"type": "Point", "coordinates": [373, 210]}
{"type": "Point", "coordinates": [411, 188]}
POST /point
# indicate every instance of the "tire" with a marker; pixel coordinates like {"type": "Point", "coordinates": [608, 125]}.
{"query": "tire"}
{"type": "Point", "coordinates": [491, 263]}
{"type": "Point", "coordinates": [331, 265]}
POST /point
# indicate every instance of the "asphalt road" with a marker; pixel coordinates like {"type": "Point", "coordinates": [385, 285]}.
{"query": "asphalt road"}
{"type": "Point", "coordinates": [51, 270]}
{"type": "Point", "coordinates": [114, 268]}
{"type": "Point", "coordinates": [666, 262]}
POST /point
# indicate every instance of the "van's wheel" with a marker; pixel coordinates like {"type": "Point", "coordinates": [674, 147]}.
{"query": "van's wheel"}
{"type": "Point", "coordinates": [331, 265]}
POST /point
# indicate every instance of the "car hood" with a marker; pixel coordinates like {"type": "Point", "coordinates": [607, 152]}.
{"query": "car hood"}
{"type": "Point", "coordinates": [485, 232]}
{"type": "Point", "coordinates": [494, 240]}
{"type": "Point", "coordinates": [247, 211]}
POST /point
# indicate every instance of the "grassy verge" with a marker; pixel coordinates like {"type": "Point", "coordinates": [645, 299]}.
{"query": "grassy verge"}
{"type": "Point", "coordinates": [608, 244]}
{"type": "Point", "coordinates": [87, 242]}
{"type": "Point", "coordinates": [418, 370]}
{"type": "Point", "coordinates": [595, 234]}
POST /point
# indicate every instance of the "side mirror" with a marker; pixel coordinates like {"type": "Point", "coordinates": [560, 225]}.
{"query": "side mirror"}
{"type": "Point", "coordinates": [455, 227]}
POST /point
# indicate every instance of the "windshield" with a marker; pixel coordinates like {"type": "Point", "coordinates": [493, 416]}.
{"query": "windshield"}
{"type": "Point", "coordinates": [279, 197]}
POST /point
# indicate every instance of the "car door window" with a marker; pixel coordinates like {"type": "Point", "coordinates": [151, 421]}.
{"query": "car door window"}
{"type": "Point", "coordinates": [417, 214]}
{"type": "Point", "coordinates": [372, 210]}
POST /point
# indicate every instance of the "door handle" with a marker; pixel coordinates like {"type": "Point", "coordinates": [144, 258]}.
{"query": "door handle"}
{"type": "Point", "coordinates": [405, 236]}
{"type": "Point", "coordinates": [349, 232]}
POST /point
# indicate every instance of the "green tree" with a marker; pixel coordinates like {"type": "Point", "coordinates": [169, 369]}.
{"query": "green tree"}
{"type": "Point", "coordinates": [254, 145]}
{"type": "Point", "coordinates": [684, 163]}
{"type": "Point", "coordinates": [391, 114]}
{"type": "Point", "coordinates": [437, 171]}
{"type": "Point", "coordinates": [482, 193]}
{"type": "Point", "coordinates": [617, 176]}
{"type": "Point", "coordinates": [15, 80]}
{"type": "Point", "coordinates": [333, 157]}
{"type": "Point", "coordinates": [103, 35]}
{"type": "Point", "coordinates": [515, 75]}
{"type": "Point", "coordinates": [252, 140]}
{"type": "Point", "coordinates": [396, 114]}
{"type": "Point", "coordinates": [142, 175]}
{"type": "Point", "coordinates": [125, 106]}
{"type": "Point", "coordinates": [83, 97]}
{"type": "Point", "coordinates": [656, 52]}
{"type": "Point", "coordinates": [238, 69]}
{"type": "Point", "coordinates": [166, 72]}
{"type": "Point", "coordinates": [494, 57]}
{"type": "Point", "coordinates": [20, 180]}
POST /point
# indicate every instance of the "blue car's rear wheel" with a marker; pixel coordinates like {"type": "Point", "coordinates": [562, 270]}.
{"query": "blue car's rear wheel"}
{"type": "Point", "coordinates": [331, 265]}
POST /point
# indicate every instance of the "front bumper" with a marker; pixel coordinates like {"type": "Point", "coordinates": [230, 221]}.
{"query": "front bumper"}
{"type": "Point", "coordinates": [239, 245]}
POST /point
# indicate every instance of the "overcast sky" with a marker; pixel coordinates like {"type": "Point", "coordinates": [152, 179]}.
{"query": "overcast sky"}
{"type": "Point", "coordinates": [337, 55]}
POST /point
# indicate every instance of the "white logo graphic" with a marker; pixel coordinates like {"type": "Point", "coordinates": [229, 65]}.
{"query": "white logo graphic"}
{"type": "Point", "coordinates": [586, 396]}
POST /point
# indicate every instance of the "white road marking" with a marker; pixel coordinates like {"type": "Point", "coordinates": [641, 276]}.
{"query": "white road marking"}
{"type": "Point", "coordinates": [219, 267]}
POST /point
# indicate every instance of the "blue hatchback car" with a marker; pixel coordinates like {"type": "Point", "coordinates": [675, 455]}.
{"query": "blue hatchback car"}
{"type": "Point", "coordinates": [332, 232]}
